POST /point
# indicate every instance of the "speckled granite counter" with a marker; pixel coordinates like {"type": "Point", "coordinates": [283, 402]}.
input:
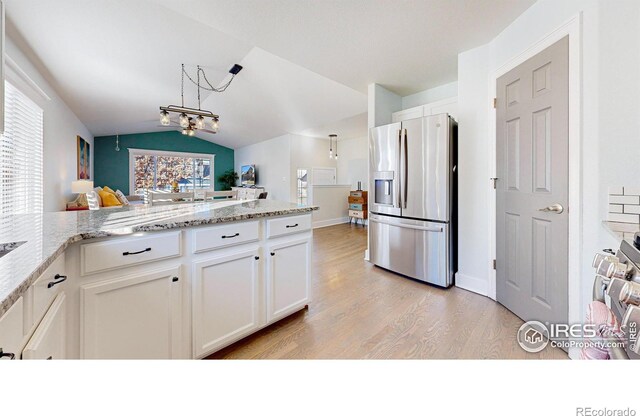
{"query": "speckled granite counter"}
{"type": "Point", "coordinates": [621, 231]}
{"type": "Point", "coordinates": [47, 235]}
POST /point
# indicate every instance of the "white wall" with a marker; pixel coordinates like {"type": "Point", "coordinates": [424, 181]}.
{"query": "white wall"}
{"type": "Point", "coordinates": [610, 119]}
{"type": "Point", "coordinates": [381, 104]}
{"type": "Point", "coordinates": [432, 94]}
{"type": "Point", "coordinates": [333, 203]}
{"type": "Point", "coordinates": [61, 126]}
{"type": "Point", "coordinates": [273, 161]}
{"type": "Point", "coordinates": [353, 162]}
{"type": "Point", "coordinates": [308, 153]}
{"type": "Point", "coordinates": [473, 166]}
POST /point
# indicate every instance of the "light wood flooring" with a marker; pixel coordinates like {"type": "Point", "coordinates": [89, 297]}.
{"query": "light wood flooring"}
{"type": "Point", "coordinates": [361, 311]}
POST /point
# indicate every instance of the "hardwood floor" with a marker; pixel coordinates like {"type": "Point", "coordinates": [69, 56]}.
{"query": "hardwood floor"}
{"type": "Point", "coordinates": [361, 311]}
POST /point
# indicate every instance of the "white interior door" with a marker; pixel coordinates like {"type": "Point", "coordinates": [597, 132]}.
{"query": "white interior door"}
{"type": "Point", "coordinates": [532, 130]}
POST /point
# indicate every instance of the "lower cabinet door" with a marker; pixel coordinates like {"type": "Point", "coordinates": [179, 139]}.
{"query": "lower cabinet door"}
{"type": "Point", "coordinates": [288, 278]}
{"type": "Point", "coordinates": [48, 342]}
{"type": "Point", "coordinates": [226, 300]}
{"type": "Point", "coordinates": [137, 316]}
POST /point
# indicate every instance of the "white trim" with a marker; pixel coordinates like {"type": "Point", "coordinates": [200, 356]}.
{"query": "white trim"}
{"type": "Point", "coordinates": [328, 223]}
{"type": "Point", "coordinates": [472, 283]}
{"type": "Point", "coordinates": [133, 152]}
{"type": "Point", "coordinates": [16, 75]}
{"type": "Point", "coordinates": [573, 29]}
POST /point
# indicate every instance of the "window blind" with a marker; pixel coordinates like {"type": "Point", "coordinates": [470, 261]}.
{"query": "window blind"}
{"type": "Point", "coordinates": [21, 155]}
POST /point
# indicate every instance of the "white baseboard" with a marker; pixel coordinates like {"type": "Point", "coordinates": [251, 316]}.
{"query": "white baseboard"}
{"type": "Point", "coordinates": [328, 223]}
{"type": "Point", "coordinates": [472, 284]}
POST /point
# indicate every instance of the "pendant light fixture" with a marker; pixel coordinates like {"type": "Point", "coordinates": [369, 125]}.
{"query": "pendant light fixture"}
{"type": "Point", "coordinates": [192, 119]}
{"type": "Point", "coordinates": [333, 137]}
{"type": "Point", "coordinates": [117, 143]}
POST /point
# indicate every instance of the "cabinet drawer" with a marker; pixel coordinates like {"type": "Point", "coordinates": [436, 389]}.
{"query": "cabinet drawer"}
{"type": "Point", "coordinates": [288, 225]}
{"type": "Point", "coordinates": [45, 289]}
{"type": "Point", "coordinates": [48, 342]}
{"type": "Point", "coordinates": [219, 236]}
{"type": "Point", "coordinates": [358, 214]}
{"type": "Point", "coordinates": [12, 329]}
{"type": "Point", "coordinates": [358, 207]}
{"type": "Point", "coordinates": [358, 194]}
{"type": "Point", "coordinates": [108, 255]}
{"type": "Point", "coordinates": [357, 200]}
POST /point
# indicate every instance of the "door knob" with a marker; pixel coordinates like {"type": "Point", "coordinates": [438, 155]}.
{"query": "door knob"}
{"type": "Point", "coordinates": [557, 208]}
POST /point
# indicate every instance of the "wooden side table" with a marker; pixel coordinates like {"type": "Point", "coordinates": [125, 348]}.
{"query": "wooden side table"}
{"type": "Point", "coordinates": [358, 209]}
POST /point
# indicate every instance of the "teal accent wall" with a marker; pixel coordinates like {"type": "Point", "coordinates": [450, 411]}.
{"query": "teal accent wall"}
{"type": "Point", "coordinates": [111, 168]}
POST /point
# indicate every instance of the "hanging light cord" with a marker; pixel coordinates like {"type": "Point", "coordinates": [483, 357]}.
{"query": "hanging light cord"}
{"type": "Point", "coordinates": [204, 76]}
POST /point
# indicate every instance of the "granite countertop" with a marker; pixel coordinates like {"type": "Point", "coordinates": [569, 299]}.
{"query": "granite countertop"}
{"type": "Point", "coordinates": [621, 231]}
{"type": "Point", "coordinates": [37, 240]}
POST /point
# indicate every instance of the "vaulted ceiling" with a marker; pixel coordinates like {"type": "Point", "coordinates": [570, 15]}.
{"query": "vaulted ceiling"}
{"type": "Point", "coordinates": [306, 63]}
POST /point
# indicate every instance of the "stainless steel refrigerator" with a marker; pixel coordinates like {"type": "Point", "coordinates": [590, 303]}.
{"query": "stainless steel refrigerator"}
{"type": "Point", "coordinates": [413, 198]}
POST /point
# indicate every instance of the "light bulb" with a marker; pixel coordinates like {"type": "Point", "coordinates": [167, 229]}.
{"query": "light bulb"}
{"type": "Point", "coordinates": [184, 120]}
{"type": "Point", "coordinates": [214, 125]}
{"type": "Point", "coordinates": [185, 131]}
{"type": "Point", "coordinates": [191, 132]}
{"type": "Point", "coordinates": [200, 122]}
{"type": "Point", "coordinates": [164, 118]}
{"type": "Point", "coordinates": [336, 156]}
{"type": "Point", "coordinates": [330, 154]}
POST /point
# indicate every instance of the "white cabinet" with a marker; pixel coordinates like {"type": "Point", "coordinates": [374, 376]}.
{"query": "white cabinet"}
{"type": "Point", "coordinates": [44, 290]}
{"type": "Point", "coordinates": [49, 339]}
{"type": "Point", "coordinates": [134, 316]}
{"type": "Point", "coordinates": [288, 277]}
{"type": "Point", "coordinates": [12, 329]}
{"type": "Point", "coordinates": [226, 299]}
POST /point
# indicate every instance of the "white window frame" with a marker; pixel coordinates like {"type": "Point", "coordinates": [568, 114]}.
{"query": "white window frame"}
{"type": "Point", "coordinates": [142, 152]}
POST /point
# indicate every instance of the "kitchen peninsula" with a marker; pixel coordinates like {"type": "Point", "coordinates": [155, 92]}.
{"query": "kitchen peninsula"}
{"type": "Point", "coordinates": [174, 281]}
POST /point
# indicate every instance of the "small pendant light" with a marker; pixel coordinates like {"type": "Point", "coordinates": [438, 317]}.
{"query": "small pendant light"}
{"type": "Point", "coordinates": [331, 137]}
{"type": "Point", "coordinates": [117, 143]}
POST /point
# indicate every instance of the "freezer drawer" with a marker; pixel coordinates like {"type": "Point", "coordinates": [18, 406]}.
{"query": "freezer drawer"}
{"type": "Point", "coordinates": [418, 249]}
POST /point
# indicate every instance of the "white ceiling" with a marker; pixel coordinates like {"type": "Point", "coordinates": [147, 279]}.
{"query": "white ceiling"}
{"type": "Point", "coordinates": [307, 63]}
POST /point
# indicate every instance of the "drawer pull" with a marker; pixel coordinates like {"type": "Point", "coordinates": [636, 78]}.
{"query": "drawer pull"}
{"type": "Point", "coordinates": [59, 279]}
{"type": "Point", "coordinates": [292, 226]}
{"type": "Point", "coordinates": [231, 236]}
{"type": "Point", "coordinates": [3, 354]}
{"type": "Point", "coordinates": [175, 279]}
{"type": "Point", "coordinates": [257, 257]}
{"type": "Point", "coordinates": [128, 253]}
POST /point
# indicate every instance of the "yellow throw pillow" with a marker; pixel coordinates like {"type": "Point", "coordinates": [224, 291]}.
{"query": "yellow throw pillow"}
{"type": "Point", "coordinates": [109, 199]}
{"type": "Point", "coordinates": [111, 191]}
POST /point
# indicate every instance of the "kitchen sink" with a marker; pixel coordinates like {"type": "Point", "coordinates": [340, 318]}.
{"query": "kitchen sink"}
{"type": "Point", "coordinates": [6, 248]}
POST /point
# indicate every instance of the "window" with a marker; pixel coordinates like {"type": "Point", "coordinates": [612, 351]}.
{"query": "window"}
{"type": "Point", "coordinates": [165, 171]}
{"type": "Point", "coordinates": [302, 197]}
{"type": "Point", "coordinates": [21, 155]}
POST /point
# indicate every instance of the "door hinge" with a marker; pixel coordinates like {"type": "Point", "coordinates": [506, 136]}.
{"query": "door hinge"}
{"type": "Point", "coordinates": [495, 103]}
{"type": "Point", "coordinates": [494, 264]}
{"type": "Point", "coordinates": [494, 182]}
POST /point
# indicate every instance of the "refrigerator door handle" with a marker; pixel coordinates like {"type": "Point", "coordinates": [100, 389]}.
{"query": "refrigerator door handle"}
{"type": "Point", "coordinates": [405, 172]}
{"type": "Point", "coordinates": [399, 188]}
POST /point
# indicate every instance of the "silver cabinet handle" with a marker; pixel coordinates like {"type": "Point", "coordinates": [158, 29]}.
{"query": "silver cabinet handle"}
{"type": "Point", "coordinates": [557, 208]}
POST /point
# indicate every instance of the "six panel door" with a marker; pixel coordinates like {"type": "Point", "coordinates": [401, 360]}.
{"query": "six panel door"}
{"type": "Point", "coordinates": [532, 169]}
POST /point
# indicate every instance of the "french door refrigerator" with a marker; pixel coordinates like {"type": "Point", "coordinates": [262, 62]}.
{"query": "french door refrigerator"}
{"type": "Point", "coordinates": [413, 198]}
